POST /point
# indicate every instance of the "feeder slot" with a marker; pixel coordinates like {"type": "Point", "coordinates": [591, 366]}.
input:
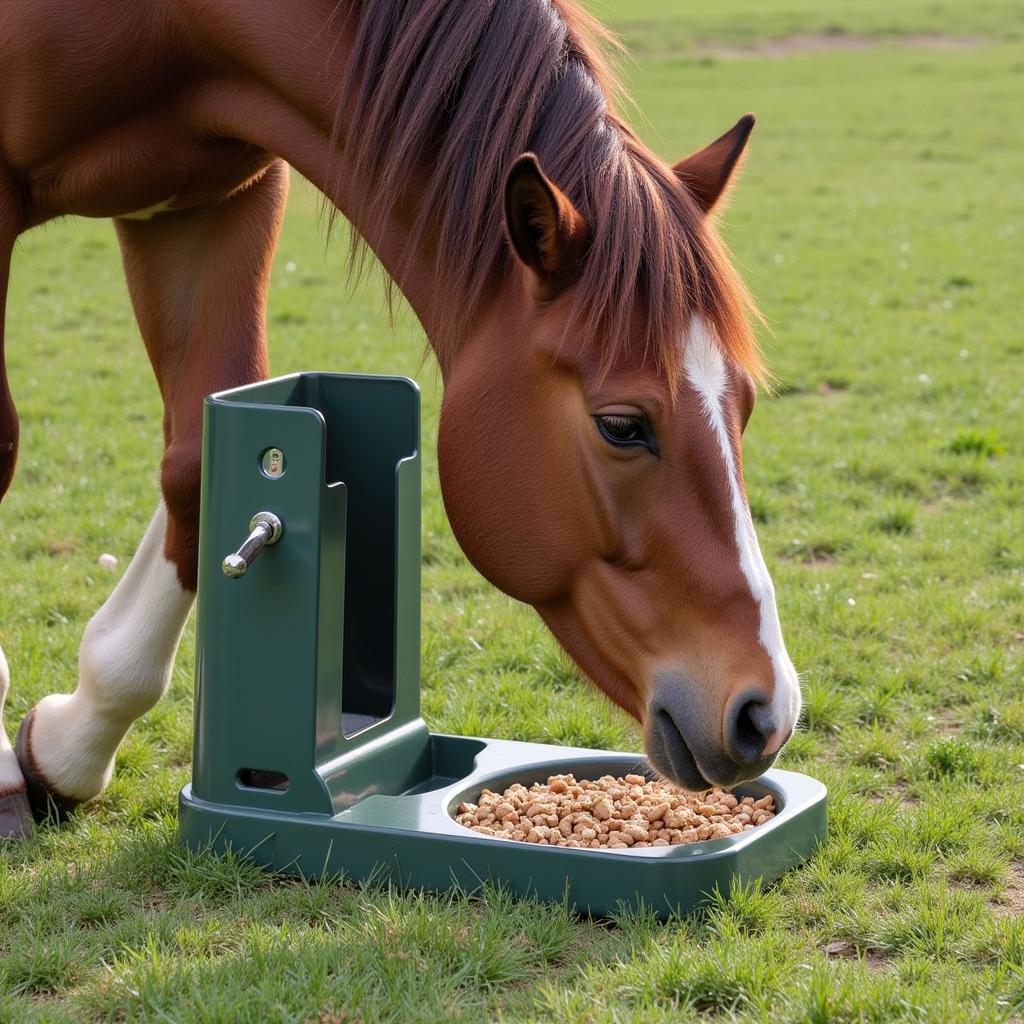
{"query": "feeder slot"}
{"type": "Point", "coordinates": [262, 778]}
{"type": "Point", "coordinates": [371, 429]}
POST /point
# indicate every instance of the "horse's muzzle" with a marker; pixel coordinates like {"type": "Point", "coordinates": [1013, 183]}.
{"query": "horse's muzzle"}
{"type": "Point", "coordinates": [697, 746]}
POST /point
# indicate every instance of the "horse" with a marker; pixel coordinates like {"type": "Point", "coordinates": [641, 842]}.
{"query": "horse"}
{"type": "Point", "coordinates": [594, 342]}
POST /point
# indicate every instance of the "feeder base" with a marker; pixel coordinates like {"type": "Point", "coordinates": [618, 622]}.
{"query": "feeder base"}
{"type": "Point", "coordinates": [412, 840]}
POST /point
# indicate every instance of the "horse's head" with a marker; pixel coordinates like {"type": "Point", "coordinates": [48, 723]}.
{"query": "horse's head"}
{"type": "Point", "coordinates": [609, 494]}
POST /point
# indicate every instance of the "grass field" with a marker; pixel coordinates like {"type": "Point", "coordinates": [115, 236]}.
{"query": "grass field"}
{"type": "Point", "coordinates": [880, 222]}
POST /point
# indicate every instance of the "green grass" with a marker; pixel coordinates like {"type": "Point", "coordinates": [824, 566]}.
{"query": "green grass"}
{"type": "Point", "coordinates": [653, 27]}
{"type": "Point", "coordinates": [879, 223]}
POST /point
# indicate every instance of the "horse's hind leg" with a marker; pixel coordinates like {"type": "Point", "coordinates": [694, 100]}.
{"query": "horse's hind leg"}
{"type": "Point", "coordinates": [14, 815]}
{"type": "Point", "coordinates": [198, 281]}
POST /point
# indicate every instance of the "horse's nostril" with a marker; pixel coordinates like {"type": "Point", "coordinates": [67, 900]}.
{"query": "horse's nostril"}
{"type": "Point", "coordinates": [748, 736]}
{"type": "Point", "coordinates": [752, 727]}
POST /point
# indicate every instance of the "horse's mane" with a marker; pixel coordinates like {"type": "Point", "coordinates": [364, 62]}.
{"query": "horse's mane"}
{"type": "Point", "coordinates": [455, 90]}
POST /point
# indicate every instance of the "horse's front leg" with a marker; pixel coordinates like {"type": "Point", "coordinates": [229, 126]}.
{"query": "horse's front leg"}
{"type": "Point", "coordinates": [15, 820]}
{"type": "Point", "coordinates": [198, 281]}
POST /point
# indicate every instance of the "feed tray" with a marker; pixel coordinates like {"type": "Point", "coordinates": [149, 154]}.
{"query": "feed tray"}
{"type": "Point", "coordinates": [412, 839]}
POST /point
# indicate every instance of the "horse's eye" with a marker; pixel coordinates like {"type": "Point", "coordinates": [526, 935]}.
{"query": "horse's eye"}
{"type": "Point", "coordinates": [625, 432]}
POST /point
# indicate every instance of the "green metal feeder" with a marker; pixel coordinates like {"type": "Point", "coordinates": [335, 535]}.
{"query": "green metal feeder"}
{"type": "Point", "coordinates": [310, 752]}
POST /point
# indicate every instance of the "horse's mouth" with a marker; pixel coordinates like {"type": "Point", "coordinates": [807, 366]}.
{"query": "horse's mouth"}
{"type": "Point", "coordinates": [670, 755]}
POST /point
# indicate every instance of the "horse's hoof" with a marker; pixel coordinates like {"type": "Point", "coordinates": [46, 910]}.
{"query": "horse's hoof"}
{"type": "Point", "coordinates": [15, 816]}
{"type": "Point", "coordinates": [45, 802]}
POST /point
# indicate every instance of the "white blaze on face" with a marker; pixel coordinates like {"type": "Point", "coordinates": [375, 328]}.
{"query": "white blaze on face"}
{"type": "Point", "coordinates": [706, 371]}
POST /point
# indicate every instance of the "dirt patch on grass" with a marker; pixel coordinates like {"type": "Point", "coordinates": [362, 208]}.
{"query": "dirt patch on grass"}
{"type": "Point", "coordinates": [946, 722]}
{"type": "Point", "coordinates": [873, 959]}
{"type": "Point", "coordinates": [813, 553]}
{"type": "Point", "coordinates": [1011, 903]}
{"type": "Point", "coordinates": [826, 42]}
{"type": "Point", "coordinates": [907, 801]}
{"type": "Point", "coordinates": [832, 389]}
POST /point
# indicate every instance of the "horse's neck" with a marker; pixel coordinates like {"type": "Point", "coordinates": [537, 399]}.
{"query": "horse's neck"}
{"type": "Point", "coordinates": [297, 62]}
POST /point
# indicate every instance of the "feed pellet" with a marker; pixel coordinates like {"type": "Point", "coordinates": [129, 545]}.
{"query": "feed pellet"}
{"type": "Point", "coordinates": [611, 813]}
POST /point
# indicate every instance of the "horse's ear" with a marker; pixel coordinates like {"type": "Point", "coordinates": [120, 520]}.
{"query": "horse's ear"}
{"type": "Point", "coordinates": [706, 173]}
{"type": "Point", "coordinates": [547, 232]}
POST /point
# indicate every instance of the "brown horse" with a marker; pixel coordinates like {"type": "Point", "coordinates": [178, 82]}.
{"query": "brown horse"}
{"type": "Point", "coordinates": [593, 340]}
